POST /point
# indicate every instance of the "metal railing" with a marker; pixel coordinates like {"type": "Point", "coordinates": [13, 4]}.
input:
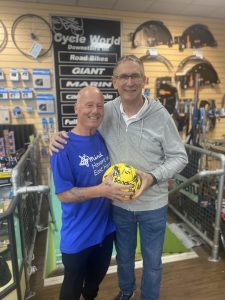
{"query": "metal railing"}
{"type": "Point", "coordinates": [197, 197]}
{"type": "Point", "coordinates": [29, 197]}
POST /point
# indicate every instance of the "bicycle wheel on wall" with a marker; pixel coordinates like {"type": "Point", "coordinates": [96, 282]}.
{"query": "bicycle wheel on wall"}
{"type": "Point", "coordinates": [29, 30]}
{"type": "Point", "coordinates": [3, 36]}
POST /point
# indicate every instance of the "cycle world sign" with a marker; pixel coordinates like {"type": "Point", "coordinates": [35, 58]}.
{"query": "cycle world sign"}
{"type": "Point", "coordinates": [85, 52]}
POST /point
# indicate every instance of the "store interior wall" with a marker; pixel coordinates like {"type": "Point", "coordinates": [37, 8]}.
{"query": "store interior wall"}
{"type": "Point", "coordinates": [10, 57]}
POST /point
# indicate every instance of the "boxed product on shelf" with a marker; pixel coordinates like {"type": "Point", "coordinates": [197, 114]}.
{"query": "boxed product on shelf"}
{"type": "Point", "coordinates": [2, 147]}
{"type": "Point", "coordinates": [6, 196]}
{"type": "Point", "coordinates": [5, 177]}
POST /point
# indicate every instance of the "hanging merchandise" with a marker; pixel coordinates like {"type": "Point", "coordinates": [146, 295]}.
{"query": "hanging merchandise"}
{"type": "Point", "coordinates": [2, 152]}
{"type": "Point", "coordinates": [35, 50]}
{"type": "Point", "coordinates": [151, 34]}
{"type": "Point", "coordinates": [166, 93]}
{"type": "Point", "coordinates": [207, 76]}
{"type": "Point", "coordinates": [14, 75]}
{"type": "Point", "coordinates": [3, 94]}
{"type": "Point", "coordinates": [45, 103]}
{"type": "Point", "coordinates": [24, 74]}
{"type": "Point", "coordinates": [192, 59]}
{"type": "Point", "coordinates": [41, 79]}
{"type": "Point", "coordinates": [14, 94]}
{"type": "Point", "coordinates": [162, 80]}
{"type": "Point", "coordinates": [27, 94]}
{"type": "Point", "coordinates": [51, 126]}
{"type": "Point", "coordinates": [193, 137]}
{"type": "Point", "coordinates": [208, 114]}
{"type": "Point", "coordinates": [44, 123]}
{"type": "Point", "coordinates": [36, 35]}
{"type": "Point", "coordinates": [194, 134]}
{"type": "Point", "coordinates": [4, 115]}
{"type": "Point", "coordinates": [45, 137]}
{"type": "Point", "coordinates": [195, 36]}
{"type": "Point", "coordinates": [153, 58]}
{"type": "Point", "coordinates": [182, 114]}
{"type": "Point", "coordinates": [29, 109]}
{"type": "Point", "coordinates": [12, 145]}
{"type": "Point", "coordinates": [17, 112]}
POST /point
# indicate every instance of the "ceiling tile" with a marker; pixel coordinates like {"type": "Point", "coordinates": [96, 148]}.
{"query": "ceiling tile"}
{"type": "Point", "coordinates": [65, 2]}
{"type": "Point", "coordinates": [196, 8]}
{"type": "Point", "coordinates": [166, 2]}
{"type": "Point", "coordinates": [96, 3]}
{"type": "Point", "coordinates": [217, 3]}
{"type": "Point", "coordinates": [27, 1]}
{"type": "Point", "coordinates": [199, 10]}
{"type": "Point", "coordinates": [179, 8]}
{"type": "Point", "coordinates": [139, 5]}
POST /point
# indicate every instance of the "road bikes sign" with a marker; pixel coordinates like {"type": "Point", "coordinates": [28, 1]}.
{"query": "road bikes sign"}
{"type": "Point", "coordinates": [85, 51]}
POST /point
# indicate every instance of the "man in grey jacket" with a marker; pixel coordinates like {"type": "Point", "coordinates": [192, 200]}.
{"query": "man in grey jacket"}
{"type": "Point", "coordinates": [140, 132]}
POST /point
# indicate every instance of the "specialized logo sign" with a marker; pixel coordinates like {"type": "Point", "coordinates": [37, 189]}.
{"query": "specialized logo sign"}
{"type": "Point", "coordinates": [85, 52]}
{"type": "Point", "coordinates": [71, 96]}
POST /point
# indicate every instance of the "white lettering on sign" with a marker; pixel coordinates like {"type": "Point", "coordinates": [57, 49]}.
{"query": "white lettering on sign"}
{"type": "Point", "coordinates": [97, 39]}
{"type": "Point", "coordinates": [71, 97]}
{"type": "Point", "coordinates": [65, 39]}
{"type": "Point", "coordinates": [89, 71]}
{"type": "Point", "coordinates": [74, 57]}
{"type": "Point", "coordinates": [70, 122]}
{"type": "Point", "coordinates": [108, 97]}
{"type": "Point", "coordinates": [99, 84]}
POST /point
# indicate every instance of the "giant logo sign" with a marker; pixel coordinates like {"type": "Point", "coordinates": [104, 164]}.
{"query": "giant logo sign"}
{"type": "Point", "coordinates": [85, 51]}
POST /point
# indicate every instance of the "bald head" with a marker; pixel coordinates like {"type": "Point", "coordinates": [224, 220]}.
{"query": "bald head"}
{"type": "Point", "coordinates": [89, 92]}
{"type": "Point", "coordinates": [89, 109]}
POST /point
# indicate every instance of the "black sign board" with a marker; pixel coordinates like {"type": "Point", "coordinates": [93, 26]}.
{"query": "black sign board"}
{"type": "Point", "coordinates": [85, 52]}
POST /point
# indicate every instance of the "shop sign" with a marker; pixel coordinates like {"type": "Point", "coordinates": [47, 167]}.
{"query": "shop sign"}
{"type": "Point", "coordinates": [85, 52]}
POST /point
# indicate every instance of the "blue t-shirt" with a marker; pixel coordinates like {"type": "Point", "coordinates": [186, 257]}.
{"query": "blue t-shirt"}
{"type": "Point", "coordinates": [82, 163]}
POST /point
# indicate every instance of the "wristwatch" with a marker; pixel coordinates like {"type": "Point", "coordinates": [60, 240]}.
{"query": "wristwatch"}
{"type": "Point", "coordinates": [154, 179]}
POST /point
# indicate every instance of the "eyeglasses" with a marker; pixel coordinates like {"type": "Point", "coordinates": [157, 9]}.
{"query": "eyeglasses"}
{"type": "Point", "coordinates": [125, 77]}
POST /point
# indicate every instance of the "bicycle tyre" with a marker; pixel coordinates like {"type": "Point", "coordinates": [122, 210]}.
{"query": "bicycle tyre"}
{"type": "Point", "coordinates": [4, 41]}
{"type": "Point", "coordinates": [37, 29]}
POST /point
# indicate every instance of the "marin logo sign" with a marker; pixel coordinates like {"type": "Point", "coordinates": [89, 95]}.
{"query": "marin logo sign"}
{"type": "Point", "coordinates": [85, 52]}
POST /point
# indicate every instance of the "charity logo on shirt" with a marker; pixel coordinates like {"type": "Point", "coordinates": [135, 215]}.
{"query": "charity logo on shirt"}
{"type": "Point", "coordinates": [97, 162]}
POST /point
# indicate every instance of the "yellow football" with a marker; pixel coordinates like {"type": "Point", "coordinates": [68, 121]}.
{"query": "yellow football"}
{"type": "Point", "coordinates": [124, 174]}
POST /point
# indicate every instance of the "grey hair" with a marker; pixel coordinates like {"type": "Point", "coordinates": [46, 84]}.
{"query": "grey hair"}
{"type": "Point", "coordinates": [129, 57]}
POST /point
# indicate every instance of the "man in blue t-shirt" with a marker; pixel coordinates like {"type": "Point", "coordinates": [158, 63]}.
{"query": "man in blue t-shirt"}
{"type": "Point", "coordinates": [87, 229]}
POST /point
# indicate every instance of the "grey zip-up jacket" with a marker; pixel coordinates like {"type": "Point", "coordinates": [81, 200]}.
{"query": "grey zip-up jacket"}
{"type": "Point", "coordinates": [151, 144]}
